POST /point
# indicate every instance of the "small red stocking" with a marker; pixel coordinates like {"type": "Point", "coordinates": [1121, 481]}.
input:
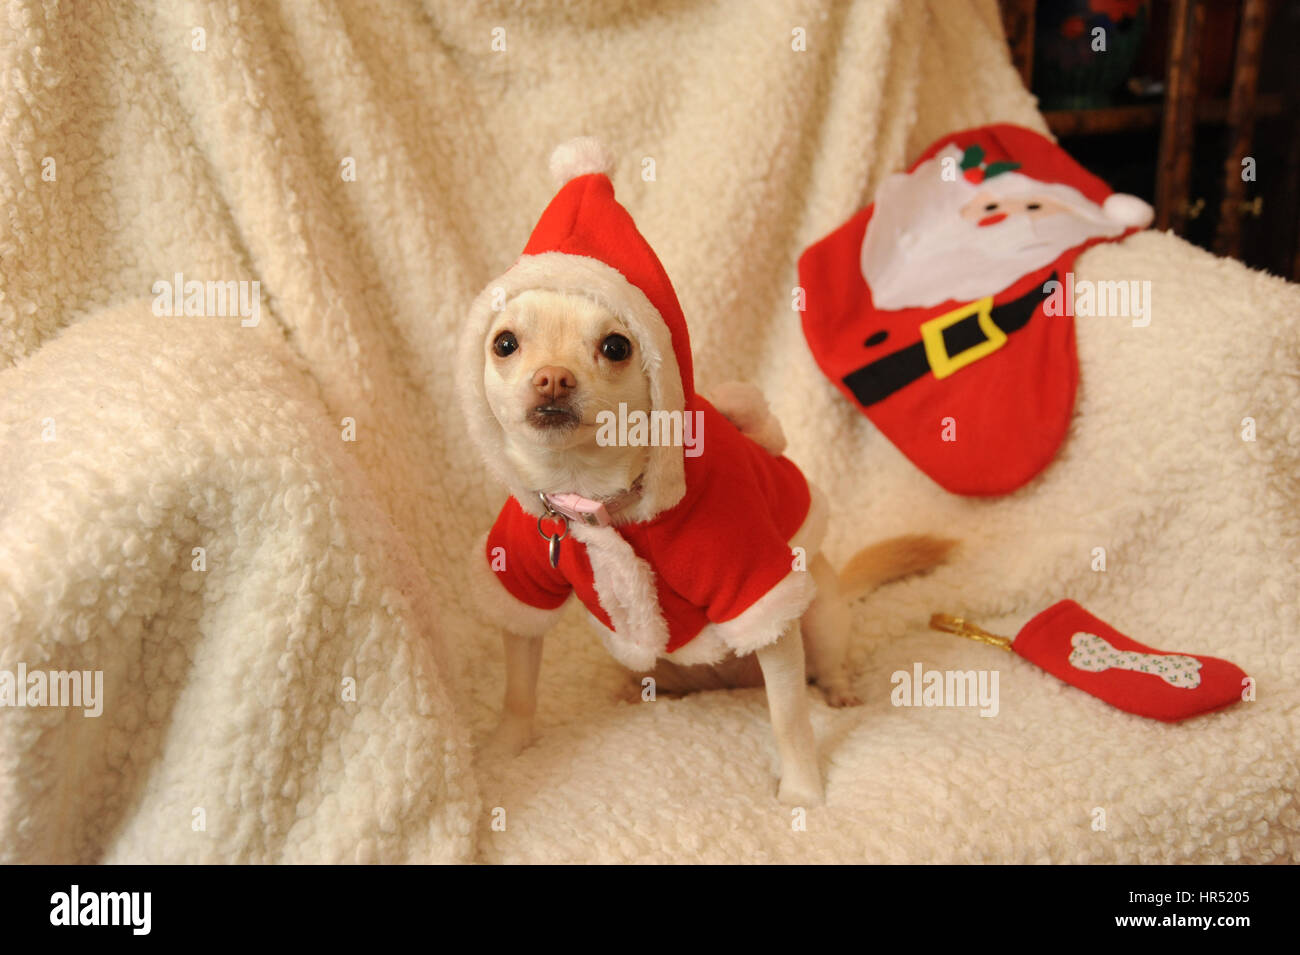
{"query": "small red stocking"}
{"type": "Point", "coordinates": [1084, 651]}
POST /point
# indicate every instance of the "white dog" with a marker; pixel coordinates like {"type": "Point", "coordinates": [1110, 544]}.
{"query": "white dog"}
{"type": "Point", "coordinates": [691, 541]}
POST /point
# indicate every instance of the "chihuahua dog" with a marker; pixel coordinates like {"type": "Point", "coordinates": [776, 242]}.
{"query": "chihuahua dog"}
{"type": "Point", "coordinates": [693, 543]}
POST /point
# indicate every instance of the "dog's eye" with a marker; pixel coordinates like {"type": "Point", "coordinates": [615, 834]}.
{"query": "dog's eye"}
{"type": "Point", "coordinates": [616, 348]}
{"type": "Point", "coordinates": [505, 345]}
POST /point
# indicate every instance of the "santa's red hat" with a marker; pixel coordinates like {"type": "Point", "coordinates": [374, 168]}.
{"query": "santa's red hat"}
{"type": "Point", "coordinates": [586, 243]}
{"type": "Point", "coordinates": [986, 154]}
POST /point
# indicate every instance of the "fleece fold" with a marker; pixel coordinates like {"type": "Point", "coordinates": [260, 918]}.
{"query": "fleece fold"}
{"type": "Point", "coordinates": [372, 165]}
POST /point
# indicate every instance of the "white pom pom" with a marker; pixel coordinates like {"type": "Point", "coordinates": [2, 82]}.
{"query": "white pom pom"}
{"type": "Point", "coordinates": [1128, 210]}
{"type": "Point", "coordinates": [579, 157]}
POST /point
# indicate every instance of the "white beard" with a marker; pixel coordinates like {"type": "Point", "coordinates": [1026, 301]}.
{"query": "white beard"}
{"type": "Point", "coordinates": [919, 251]}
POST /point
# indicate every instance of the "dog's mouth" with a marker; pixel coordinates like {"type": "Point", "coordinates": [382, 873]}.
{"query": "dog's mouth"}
{"type": "Point", "coordinates": [553, 418]}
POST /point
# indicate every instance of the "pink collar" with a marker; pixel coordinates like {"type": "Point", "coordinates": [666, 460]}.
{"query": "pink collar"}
{"type": "Point", "coordinates": [593, 513]}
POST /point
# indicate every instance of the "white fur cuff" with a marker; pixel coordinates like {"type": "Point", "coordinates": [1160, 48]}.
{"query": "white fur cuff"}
{"type": "Point", "coordinates": [771, 615]}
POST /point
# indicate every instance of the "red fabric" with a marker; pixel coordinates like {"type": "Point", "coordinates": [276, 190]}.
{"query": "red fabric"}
{"type": "Point", "coordinates": [585, 219]}
{"type": "Point", "coordinates": [720, 549]}
{"type": "Point", "coordinates": [1047, 640]}
{"type": "Point", "coordinates": [1011, 408]}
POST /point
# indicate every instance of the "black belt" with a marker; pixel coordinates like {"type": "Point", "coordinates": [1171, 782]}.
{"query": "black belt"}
{"type": "Point", "coordinates": [948, 343]}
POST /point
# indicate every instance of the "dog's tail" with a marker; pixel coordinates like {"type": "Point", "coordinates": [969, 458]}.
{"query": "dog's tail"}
{"type": "Point", "coordinates": [891, 559]}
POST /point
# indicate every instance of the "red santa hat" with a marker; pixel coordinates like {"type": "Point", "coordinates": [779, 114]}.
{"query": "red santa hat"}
{"type": "Point", "coordinates": [587, 244]}
{"type": "Point", "coordinates": [991, 151]}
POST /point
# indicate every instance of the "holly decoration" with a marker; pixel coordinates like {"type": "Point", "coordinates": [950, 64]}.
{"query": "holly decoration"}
{"type": "Point", "coordinates": [976, 170]}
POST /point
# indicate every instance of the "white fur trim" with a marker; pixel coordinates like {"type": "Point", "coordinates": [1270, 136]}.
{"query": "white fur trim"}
{"type": "Point", "coordinates": [498, 604]}
{"type": "Point", "coordinates": [1128, 210]}
{"type": "Point", "coordinates": [744, 406]}
{"type": "Point", "coordinates": [665, 476]}
{"type": "Point", "coordinates": [706, 647]}
{"type": "Point", "coordinates": [579, 157]}
{"type": "Point", "coordinates": [625, 586]}
{"type": "Point", "coordinates": [769, 616]}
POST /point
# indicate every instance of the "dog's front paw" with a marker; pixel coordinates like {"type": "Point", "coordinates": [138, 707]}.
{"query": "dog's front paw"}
{"type": "Point", "coordinates": [510, 738]}
{"type": "Point", "coordinates": [801, 791]}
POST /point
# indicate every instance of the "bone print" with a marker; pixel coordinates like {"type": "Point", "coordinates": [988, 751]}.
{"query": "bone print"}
{"type": "Point", "coordinates": [1094, 654]}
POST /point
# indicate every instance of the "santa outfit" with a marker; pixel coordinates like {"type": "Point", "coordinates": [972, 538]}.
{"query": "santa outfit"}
{"type": "Point", "coordinates": [704, 562]}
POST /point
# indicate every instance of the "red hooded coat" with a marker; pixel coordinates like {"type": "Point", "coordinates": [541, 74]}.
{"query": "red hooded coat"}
{"type": "Point", "coordinates": [706, 562]}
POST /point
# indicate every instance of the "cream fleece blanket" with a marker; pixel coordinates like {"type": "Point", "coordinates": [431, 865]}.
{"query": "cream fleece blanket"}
{"type": "Point", "coordinates": [257, 533]}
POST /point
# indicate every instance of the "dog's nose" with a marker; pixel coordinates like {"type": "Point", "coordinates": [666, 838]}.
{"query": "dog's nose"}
{"type": "Point", "coordinates": [552, 381]}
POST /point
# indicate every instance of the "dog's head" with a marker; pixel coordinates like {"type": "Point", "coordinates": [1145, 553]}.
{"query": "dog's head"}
{"type": "Point", "coordinates": [585, 327]}
{"type": "Point", "coordinates": [554, 366]}
{"type": "Point", "coordinates": [553, 362]}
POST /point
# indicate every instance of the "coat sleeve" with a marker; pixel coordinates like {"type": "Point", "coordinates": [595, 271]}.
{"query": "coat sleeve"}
{"type": "Point", "coordinates": [512, 582]}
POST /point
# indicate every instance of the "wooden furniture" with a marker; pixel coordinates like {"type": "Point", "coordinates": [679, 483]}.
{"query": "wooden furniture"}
{"type": "Point", "coordinates": [1018, 24]}
{"type": "Point", "coordinates": [1241, 127]}
{"type": "Point", "coordinates": [1178, 124]}
{"type": "Point", "coordinates": [1178, 115]}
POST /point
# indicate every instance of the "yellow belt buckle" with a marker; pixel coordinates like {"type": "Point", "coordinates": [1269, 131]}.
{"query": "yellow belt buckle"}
{"type": "Point", "coordinates": [943, 364]}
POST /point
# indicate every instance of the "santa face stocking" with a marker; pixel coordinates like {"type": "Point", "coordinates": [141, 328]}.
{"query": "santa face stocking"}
{"type": "Point", "coordinates": [940, 310]}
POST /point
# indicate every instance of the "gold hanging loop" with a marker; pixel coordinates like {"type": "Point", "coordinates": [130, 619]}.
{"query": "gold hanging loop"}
{"type": "Point", "coordinates": [964, 628]}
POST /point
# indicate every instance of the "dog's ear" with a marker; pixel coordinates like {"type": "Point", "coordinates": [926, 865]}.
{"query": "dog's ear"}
{"type": "Point", "coordinates": [744, 406]}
